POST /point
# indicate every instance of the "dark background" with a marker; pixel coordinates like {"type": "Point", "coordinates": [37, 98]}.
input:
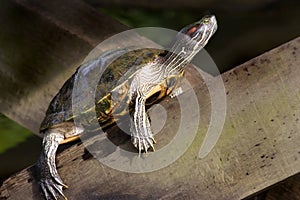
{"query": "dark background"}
{"type": "Point", "coordinates": [246, 29]}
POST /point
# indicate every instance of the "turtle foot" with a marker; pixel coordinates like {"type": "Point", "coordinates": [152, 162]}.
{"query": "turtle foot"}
{"type": "Point", "coordinates": [49, 181]}
{"type": "Point", "coordinates": [141, 134]}
{"type": "Point", "coordinates": [143, 143]}
{"type": "Point", "coordinates": [52, 189]}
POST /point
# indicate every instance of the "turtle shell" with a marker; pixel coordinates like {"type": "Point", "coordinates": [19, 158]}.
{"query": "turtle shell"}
{"type": "Point", "coordinates": [121, 64]}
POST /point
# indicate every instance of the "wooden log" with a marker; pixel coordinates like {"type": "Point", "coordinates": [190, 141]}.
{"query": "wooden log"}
{"type": "Point", "coordinates": [259, 145]}
{"type": "Point", "coordinates": [41, 45]}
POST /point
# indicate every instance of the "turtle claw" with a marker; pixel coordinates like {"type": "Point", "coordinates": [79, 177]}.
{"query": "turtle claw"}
{"type": "Point", "coordinates": [51, 189]}
{"type": "Point", "coordinates": [143, 144]}
{"type": "Point", "coordinates": [50, 182]}
{"type": "Point", "coordinates": [59, 181]}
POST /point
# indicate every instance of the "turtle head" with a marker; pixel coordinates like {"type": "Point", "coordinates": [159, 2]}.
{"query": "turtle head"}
{"type": "Point", "coordinates": [196, 35]}
{"type": "Point", "coordinates": [192, 38]}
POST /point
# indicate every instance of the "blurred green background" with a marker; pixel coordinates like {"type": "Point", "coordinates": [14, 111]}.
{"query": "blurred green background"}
{"type": "Point", "coordinates": [243, 34]}
{"type": "Point", "coordinates": [11, 134]}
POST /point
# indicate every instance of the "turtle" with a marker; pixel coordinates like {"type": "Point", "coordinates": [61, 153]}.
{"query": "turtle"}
{"type": "Point", "coordinates": [156, 74]}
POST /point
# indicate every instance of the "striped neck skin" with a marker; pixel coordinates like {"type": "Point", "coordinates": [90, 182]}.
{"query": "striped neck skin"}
{"type": "Point", "coordinates": [189, 41]}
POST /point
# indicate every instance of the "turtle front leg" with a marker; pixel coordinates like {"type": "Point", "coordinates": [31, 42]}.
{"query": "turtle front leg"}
{"type": "Point", "coordinates": [49, 180]}
{"type": "Point", "coordinates": [141, 134]}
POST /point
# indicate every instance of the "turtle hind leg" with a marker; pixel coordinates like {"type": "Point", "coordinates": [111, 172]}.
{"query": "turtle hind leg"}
{"type": "Point", "coordinates": [141, 134]}
{"type": "Point", "coordinates": [49, 180]}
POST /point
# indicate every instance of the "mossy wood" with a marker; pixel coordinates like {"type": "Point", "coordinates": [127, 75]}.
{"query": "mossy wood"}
{"type": "Point", "coordinates": [259, 145]}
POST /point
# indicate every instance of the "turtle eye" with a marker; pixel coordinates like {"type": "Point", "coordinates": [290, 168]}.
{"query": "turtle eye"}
{"type": "Point", "coordinates": [206, 21]}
